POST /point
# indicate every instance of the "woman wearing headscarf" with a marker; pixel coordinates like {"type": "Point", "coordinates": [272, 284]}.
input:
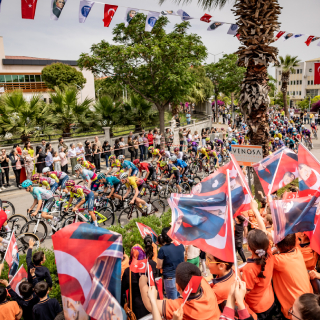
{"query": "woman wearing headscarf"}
{"type": "Point", "coordinates": [138, 307]}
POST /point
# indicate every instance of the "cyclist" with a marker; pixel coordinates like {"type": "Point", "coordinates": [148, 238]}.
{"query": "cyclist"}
{"type": "Point", "coordinates": [114, 163]}
{"type": "Point", "coordinates": [84, 194]}
{"type": "Point", "coordinates": [182, 166]}
{"type": "Point", "coordinates": [173, 172]}
{"type": "Point", "coordinates": [217, 142]}
{"type": "Point", "coordinates": [151, 171]}
{"type": "Point", "coordinates": [113, 182]}
{"type": "Point", "coordinates": [89, 176]}
{"type": "Point", "coordinates": [137, 185]}
{"type": "Point", "coordinates": [60, 177]}
{"type": "Point", "coordinates": [47, 182]}
{"type": "Point", "coordinates": [277, 144]}
{"type": "Point", "coordinates": [155, 153]}
{"type": "Point", "coordinates": [128, 166]}
{"type": "Point", "coordinates": [314, 128]}
{"type": "Point", "coordinates": [306, 133]}
{"type": "Point", "coordinates": [86, 164]}
{"type": "Point", "coordinates": [41, 196]}
{"type": "Point", "coordinates": [209, 142]}
{"type": "Point", "coordinates": [213, 154]}
{"type": "Point", "coordinates": [178, 153]}
{"type": "Point", "coordinates": [165, 154]}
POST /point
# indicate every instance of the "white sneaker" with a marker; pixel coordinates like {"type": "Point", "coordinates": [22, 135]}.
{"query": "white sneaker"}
{"type": "Point", "coordinates": [160, 188]}
{"type": "Point", "coordinates": [3, 188]}
{"type": "Point", "coordinates": [149, 208]}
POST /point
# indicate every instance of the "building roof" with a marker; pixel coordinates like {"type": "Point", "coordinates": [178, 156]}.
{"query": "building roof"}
{"type": "Point", "coordinates": [26, 58]}
{"type": "Point", "coordinates": [317, 59]}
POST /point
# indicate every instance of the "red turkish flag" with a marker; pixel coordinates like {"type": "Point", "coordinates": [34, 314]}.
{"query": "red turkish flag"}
{"type": "Point", "coordinates": [138, 266]}
{"type": "Point", "coordinates": [109, 11]}
{"type": "Point", "coordinates": [150, 276]}
{"type": "Point", "coordinates": [279, 35]}
{"type": "Point", "coordinates": [317, 73]}
{"type": "Point", "coordinates": [238, 36]}
{"type": "Point", "coordinates": [192, 287]}
{"type": "Point", "coordinates": [28, 8]}
{"type": "Point", "coordinates": [309, 40]}
{"type": "Point", "coordinates": [206, 18]}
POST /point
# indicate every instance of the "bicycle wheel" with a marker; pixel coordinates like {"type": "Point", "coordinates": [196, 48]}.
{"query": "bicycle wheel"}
{"type": "Point", "coordinates": [108, 214]}
{"type": "Point", "coordinates": [185, 187]}
{"type": "Point", "coordinates": [164, 193]}
{"type": "Point", "coordinates": [194, 168]}
{"type": "Point", "coordinates": [158, 208]}
{"type": "Point", "coordinates": [127, 214]}
{"type": "Point", "coordinates": [71, 219]}
{"type": "Point", "coordinates": [18, 221]}
{"type": "Point", "coordinates": [31, 227]}
{"type": "Point", "coordinates": [9, 208]}
{"type": "Point", "coordinates": [196, 180]}
{"type": "Point", "coordinates": [23, 242]}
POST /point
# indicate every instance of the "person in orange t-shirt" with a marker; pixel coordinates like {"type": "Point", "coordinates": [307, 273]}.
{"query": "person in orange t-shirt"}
{"type": "Point", "coordinates": [257, 275]}
{"type": "Point", "coordinates": [310, 256]}
{"type": "Point", "coordinates": [200, 305]}
{"type": "Point", "coordinates": [124, 263]}
{"type": "Point", "coordinates": [290, 275]}
{"type": "Point", "coordinates": [9, 310]}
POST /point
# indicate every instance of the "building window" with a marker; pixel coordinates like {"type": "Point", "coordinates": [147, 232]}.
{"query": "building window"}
{"type": "Point", "coordinates": [50, 101]}
{"type": "Point", "coordinates": [312, 93]}
{"type": "Point", "coordinates": [312, 82]}
{"type": "Point", "coordinates": [45, 100]}
{"type": "Point", "coordinates": [308, 82]}
{"type": "Point", "coordinates": [38, 78]}
{"type": "Point", "coordinates": [279, 83]}
{"type": "Point", "coordinates": [310, 70]}
{"type": "Point", "coordinates": [8, 78]}
{"type": "Point", "coordinates": [21, 78]}
{"type": "Point", "coordinates": [300, 81]}
{"type": "Point", "coordinates": [290, 82]}
{"type": "Point", "coordinates": [297, 71]}
{"type": "Point", "coordinates": [280, 72]}
{"type": "Point", "coordinates": [2, 78]}
{"type": "Point", "coordinates": [301, 71]}
{"type": "Point", "coordinates": [299, 93]}
{"type": "Point", "coordinates": [294, 82]}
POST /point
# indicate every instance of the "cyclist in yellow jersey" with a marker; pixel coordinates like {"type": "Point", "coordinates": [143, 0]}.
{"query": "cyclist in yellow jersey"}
{"type": "Point", "coordinates": [86, 164]}
{"type": "Point", "coordinates": [114, 163]}
{"type": "Point", "coordinates": [203, 153]}
{"type": "Point", "coordinates": [138, 185]}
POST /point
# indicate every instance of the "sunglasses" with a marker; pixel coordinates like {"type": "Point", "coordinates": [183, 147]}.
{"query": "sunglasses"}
{"type": "Point", "coordinates": [291, 312]}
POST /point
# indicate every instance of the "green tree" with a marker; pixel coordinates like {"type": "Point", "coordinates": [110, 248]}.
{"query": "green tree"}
{"type": "Point", "coordinates": [140, 113]}
{"type": "Point", "coordinates": [226, 76]}
{"type": "Point", "coordinates": [26, 119]}
{"type": "Point", "coordinates": [68, 112]}
{"type": "Point", "coordinates": [278, 100]}
{"type": "Point", "coordinates": [60, 74]}
{"type": "Point", "coordinates": [109, 113]}
{"type": "Point", "coordinates": [272, 85]}
{"type": "Point", "coordinates": [155, 65]}
{"type": "Point", "coordinates": [287, 64]}
{"type": "Point", "coordinates": [107, 87]}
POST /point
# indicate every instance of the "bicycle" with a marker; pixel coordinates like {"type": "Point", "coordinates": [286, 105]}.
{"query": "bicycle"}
{"type": "Point", "coordinates": [8, 207]}
{"type": "Point", "coordinates": [132, 211]}
{"type": "Point", "coordinates": [315, 134]}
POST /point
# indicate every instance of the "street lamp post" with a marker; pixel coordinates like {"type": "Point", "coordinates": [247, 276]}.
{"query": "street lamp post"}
{"type": "Point", "coordinates": [216, 55]}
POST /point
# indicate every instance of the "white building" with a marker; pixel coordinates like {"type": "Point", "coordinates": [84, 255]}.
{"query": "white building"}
{"type": "Point", "coordinates": [24, 73]}
{"type": "Point", "coordinates": [301, 82]}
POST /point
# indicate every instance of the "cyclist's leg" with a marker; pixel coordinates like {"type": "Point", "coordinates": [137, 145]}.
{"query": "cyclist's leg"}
{"type": "Point", "coordinates": [54, 187]}
{"type": "Point", "coordinates": [46, 208]}
{"type": "Point", "coordinates": [117, 188]}
{"type": "Point", "coordinates": [90, 200]}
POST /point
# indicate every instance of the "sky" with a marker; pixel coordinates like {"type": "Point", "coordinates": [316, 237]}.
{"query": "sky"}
{"type": "Point", "coordinates": [66, 38]}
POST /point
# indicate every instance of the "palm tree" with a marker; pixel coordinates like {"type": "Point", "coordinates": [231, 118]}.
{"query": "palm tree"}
{"type": "Point", "coordinates": [140, 113]}
{"type": "Point", "coordinates": [257, 21]}
{"type": "Point", "coordinates": [68, 112]}
{"type": "Point", "coordinates": [287, 65]}
{"type": "Point", "coordinates": [26, 119]}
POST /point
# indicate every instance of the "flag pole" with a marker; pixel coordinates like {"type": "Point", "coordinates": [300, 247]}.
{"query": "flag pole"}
{"type": "Point", "coordinates": [231, 225]}
{"type": "Point", "coordinates": [275, 174]}
{"type": "Point", "coordinates": [15, 274]}
{"type": "Point", "coordinates": [7, 247]}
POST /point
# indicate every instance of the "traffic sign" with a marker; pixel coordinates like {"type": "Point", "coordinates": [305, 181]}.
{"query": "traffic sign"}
{"type": "Point", "coordinates": [247, 155]}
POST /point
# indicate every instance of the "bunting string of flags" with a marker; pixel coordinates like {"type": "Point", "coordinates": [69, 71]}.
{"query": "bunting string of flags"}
{"type": "Point", "coordinates": [28, 10]}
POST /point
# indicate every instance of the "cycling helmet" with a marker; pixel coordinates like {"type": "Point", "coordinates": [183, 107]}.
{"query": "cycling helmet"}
{"type": "Point", "coordinates": [136, 162]}
{"type": "Point", "coordinates": [77, 167]}
{"type": "Point", "coordinates": [101, 176]}
{"type": "Point", "coordinates": [176, 149]}
{"type": "Point", "coordinates": [173, 159]}
{"type": "Point", "coordinates": [203, 149]}
{"type": "Point", "coordinates": [112, 157]}
{"type": "Point", "coordinates": [161, 152]}
{"type": "Point", "coordinates": [35, 177]}
{"type": "Point", "coordinates": [123, 176]}
{"type": "Point", "coordinates": [276, 139]}
{"type": "Point", "coordinates": [199, 147]}
{"type": "Point", "coordinates": [229, 139]}
{"type": "Point", "coordinates": [26, 183]}
{"type": "Point", "coordinates": [121, 157]}
{"type": "Point", "coordinates": [45, 170]}
{"type": "Point", "coordinates": [163, 164]}
{"type": "Point", "coordinates": [208, 148]}
{"type": "Point", "coordinates": [215, 139]}
{"type": "Point", "coordinates": [150, 148]}
{"type": "Point", "coordinates": [237, 134]}
{"type": "Point", "coordinates": [80, 159]}
{"type": "Point", "coordinates": [207, 139]}
{"type": "Point", "coordinates": [302, 126]}
{"type": "Point", "coordinates": [184, 157]}
{"type": "Point", "coordinates": [70, 183]}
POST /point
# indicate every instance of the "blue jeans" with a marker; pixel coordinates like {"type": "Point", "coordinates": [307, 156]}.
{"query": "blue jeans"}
{"type": "Point", "coordinates": [141, 152]}
{"type": "Point", "coordinates": [170, 288]}
{"type": "Point", "coordinates": [107, 160]}
{"type": "Point", "coordinates": [188, 121]}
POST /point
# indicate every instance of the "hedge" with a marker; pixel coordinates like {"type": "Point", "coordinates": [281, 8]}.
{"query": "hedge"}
{"type": "Point", "coordinates": [130, 236]}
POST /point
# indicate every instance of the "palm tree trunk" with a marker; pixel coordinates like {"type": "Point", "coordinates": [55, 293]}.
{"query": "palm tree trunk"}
{"type": "Point", "coordinates": [284, 87]}
{"type": "Point", "coordinates": [161, 118]}
{"type": "Point", "coordinates": [257, 20]}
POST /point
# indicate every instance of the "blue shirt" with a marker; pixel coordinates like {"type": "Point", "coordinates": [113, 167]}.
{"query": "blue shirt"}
{"type": "Point", "coordinates": [128, 165]}
{"type": "Point", "coordinates": [171, 255]}
{"type": "Point", "coordinates": [87, 174]}
{"type": "Point", "coordinates": [180, 163]}
{"type": "Point", "coordinates": [49, 159]}
{"type": "Point", "coordinates": [111, 181]}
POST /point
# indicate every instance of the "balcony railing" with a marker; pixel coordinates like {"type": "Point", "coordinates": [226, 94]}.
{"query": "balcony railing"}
{"type": "Point", "coordinates": [25, 86]}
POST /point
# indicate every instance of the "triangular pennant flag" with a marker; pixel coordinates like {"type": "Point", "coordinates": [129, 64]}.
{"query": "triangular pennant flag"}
{"type": "Point", "coordinates": [184, 16]}
{"type": "Point", "coordinates": [12, 256]}
{"type": "Point", "coordinates": [28, 8]}
{"type": "Point", "coordinates": [192, 287]}
{"type": "Point", "coordinates": [84, 10]}
{"type": "Point", "coordinates": [168, 13]}
{"type": "Point", "coordinates": [151, 20]}
{"type": "Point", "coordinates": [238, 36]}
{"type": "Point", "coordinates": [287, 36]}
{"type": "Point", "coordinates": [19, 277]}
{"type": "Point", "coordinates": [56, 8]}
{"type": "Point", "coordinates": [206, 18]}
{"type": "Point", "coordinates": [109, 12]}
{"type": "Point", "coordinates": [233, 29]}
{"type": "Point", "coordinates": [213, 26]}
{"type": "Point", "coordinates": [315, 39]}
{"type": "Point", "coordinates": [279, 35]}
{"type": "Point", "coordinates": [130, 14]}
{"type": "Point", "coordinates": [309, 40]}
{"type": "Point", "coordinates": [298, 35]}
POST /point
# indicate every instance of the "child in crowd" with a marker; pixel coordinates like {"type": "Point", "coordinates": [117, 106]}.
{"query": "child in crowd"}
{"type": "Point", "coordinates": [306, 307]}
{"type": "Point", "coordinates": [47, 308]}
{"type": "Point", "coordinates": [9, 310]}
{"type": "Point", "coordinates": [310, 256]}
{"type": "Point", "coordinates": [39, 258]}
{"type": "Point", "coordinates": [200, 305]}
{"type": "Point", "coordinates": [27, 298]}
{"type": "Point", "coordinates": [56, 161]}
{"type": "Point", "coordinates": [290, 275]}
